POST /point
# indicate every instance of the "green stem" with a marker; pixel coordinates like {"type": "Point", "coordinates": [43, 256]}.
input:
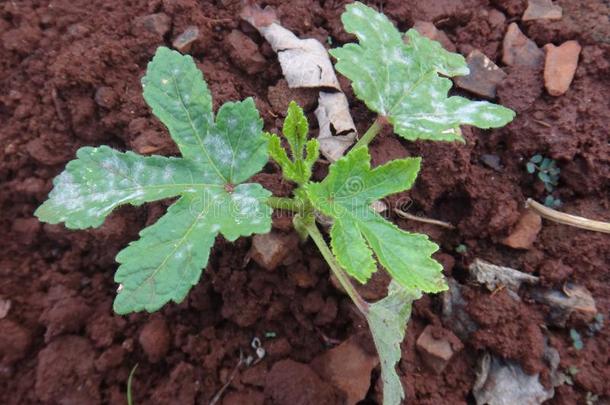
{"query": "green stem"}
{"type": "Point", "coordinates": [343, 278]}
{"type": "Point", "coordinates": [283, 203]}
{"type": "Point", "coordinates": [371, 132]}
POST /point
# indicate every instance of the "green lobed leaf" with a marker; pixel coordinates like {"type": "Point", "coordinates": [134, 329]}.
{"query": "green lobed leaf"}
{"type": "Point", "coordinates": [304, 152]}
{"type": "Point", "coordinates": [401, 80]}
{"type": "Point", "coordinates": [358, 231]}
{"type": "Point", "coordinates": [387, 320]}
{"type": "Point", "coordinates": [218, 156]}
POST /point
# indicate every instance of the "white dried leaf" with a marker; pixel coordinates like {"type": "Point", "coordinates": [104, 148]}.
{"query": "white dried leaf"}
{"type": "Point", "coordinates": [333, 115]}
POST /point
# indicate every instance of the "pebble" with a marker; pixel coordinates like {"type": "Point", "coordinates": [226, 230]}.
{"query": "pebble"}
{"type": "Point", "coordinates": [289, 382]}
{"type": "Point", "coordinates": [525, 232]}
{"type": "Point", "coordinates": [519, 50]}
{"type": "Point", "coordinates": [484, 75]}
{"type": "Point", "coordinates": [155, 339]}
{"type": "Point", "coordinates": [559, 66]}
{"type": "Point", "coordinates": [542, 10]}
{"type": "Point", "coordinates": [429, 30]}
{"type": "Point", "coordinates": [184, 41]}
{"type": "Point", "coordinates": [105, 97]}
{"type": "Point", "coordinates": [269, 250]}
{"type": "Point", "coordinates": [437, 346]}
{"type": "Point", "coordinates": [347, 367]}
{"type": "Point", "coordinates": [159, 23]}
{"type": "Point", "coordinates": [244, 53]}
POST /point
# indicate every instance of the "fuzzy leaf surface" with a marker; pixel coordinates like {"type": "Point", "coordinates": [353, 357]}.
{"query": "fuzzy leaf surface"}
{"type": "Point", "coordinates": [387, 320]}
{"type": "Point", "coordinates": [358, 231]}
{"type": "Point", "coordinates": [218, 155]}
{"type": "Point", "coordinates": [401, 80]}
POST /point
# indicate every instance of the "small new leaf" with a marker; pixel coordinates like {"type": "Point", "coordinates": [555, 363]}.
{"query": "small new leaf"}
{"type": "Point", "coordinates": [304, 152]}
{"type": "Point", "coordinates": [388, 319]}
{"type": "Point", "coordinates": [218, 156]}
{"type": "Point", "coordinates": [346, 195]}
{"type": "Point", "coordinates": [401, 80]}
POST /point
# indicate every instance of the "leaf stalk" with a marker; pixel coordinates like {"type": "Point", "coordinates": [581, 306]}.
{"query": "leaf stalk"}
{"type": "Point", "coordinates": [342, 277]}
{"type": "Point", "coordinates": [372, 132]}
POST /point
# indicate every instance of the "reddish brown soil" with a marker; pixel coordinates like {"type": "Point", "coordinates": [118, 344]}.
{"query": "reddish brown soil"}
{"type": "Point", "coordinates": [69, 76]}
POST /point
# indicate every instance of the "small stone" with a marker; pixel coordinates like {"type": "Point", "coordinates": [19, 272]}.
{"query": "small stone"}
{"type": "Point", "coordinates": [247, 397]}
{"type": "Point", "coordinates": [542, 10]}
{"type": "Point", "coordinates": [155, 339]}
{"type": "Point", "coordinates": [26, 229]}
{"type": "Point", "coordinates": [484, 75]}
{"type": "Point", "coordinates": [15, 341]}
{"type": "Point", "coordinates": [347, 367]}
{"type": "Point", "coordinates": [492, 161]}
{"type": "Point", "coordinates": [559, 66]}
{"type": "Point", "coordinates": [158, 23]}
{"type": "Point", "coordinates": [289, 382]}
{"type": "Point", "coordinates": [281, 95]}
{"type": "Point", "coordinates": [437, 346]}
{"type": "Point", "coordinates": [184, 41]}
{"type": "Point", "coordinates": [429, 30]}
{"type": "Point", "coordinates": [244, 53]}
{"type": "Point", "coordinates": [110, 358]}
{"type": "Point", "coordinates": [5, 306]}
{"type": "Point", "coordinates": [105, 97]}
{"type": "Point", "coordinates": [270, 249]}
{"type": "Point", "coordinates": [525, 232]}
{"type": "Point", "coordinates": [519, 50]}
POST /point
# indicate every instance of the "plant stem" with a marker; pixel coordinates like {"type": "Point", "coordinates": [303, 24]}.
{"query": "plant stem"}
{"type": "Point", "coordinates": [283, 203]}
{"type": "Point", "coordinates": [567, 219]}
{"type": "Point", "coordinates": [371, 132]}
{"type": "Point", "coordinates": [343, 278]}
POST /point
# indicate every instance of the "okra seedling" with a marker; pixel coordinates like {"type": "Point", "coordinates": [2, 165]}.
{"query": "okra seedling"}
{"type": "Point", "coordinates": [221, 152]}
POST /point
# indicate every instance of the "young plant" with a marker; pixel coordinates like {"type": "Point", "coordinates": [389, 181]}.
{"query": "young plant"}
{"type": "Point", "coordinates": [220, 153]}
{"type": "Point", "coordinates": [548, 174]}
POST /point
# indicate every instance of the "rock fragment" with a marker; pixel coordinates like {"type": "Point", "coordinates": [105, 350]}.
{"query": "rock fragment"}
{"type": "Point", "coordinates": [559, 66]}
{"type": "Point", "coordinates": [155, 339]}
{"type": "Point", "coordinates": [184, 41]}
{"type": "Point", "coordinates": [484, 75]}
{"type": "Point", "coordinates": [437, 346]}
{"type": "Point", "coordinates": [429, 30]}
{"type": "Point", "coordinates": [245, 53]}
{"type": "Point", "coordinates": [158, 23]}
{"type": "Point", "coordinates": [347, 367]}
{"type": "Point", "coordinates": [519, 50]}
{"type": "Point", "coordinates": [542, 10]}
{"type": "Point", "coordinates": [270, 249]}
{"type": "Point", "coordinates": [525, 232]}
{"type": "Point", "coordinates": [105, 97]}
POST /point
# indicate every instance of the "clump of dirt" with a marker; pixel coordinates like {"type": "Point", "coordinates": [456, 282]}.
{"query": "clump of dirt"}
{"type": "Point", "coordinates": [69, 77]}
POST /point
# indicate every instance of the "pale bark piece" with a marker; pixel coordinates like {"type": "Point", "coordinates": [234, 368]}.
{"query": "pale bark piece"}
{"type": "Point", "coordinates": [484, 75]}
{"type": "Point", "coordinates": [347, 367]}
{"type": "Point", "coordinates": [542, 10]}
{"type": "Point", "coordinates": [493, 276]}
{"type": "Point", "coordinates": [501, 382]}
{"type": "Point", "coordinates": [519, 50]}
{"type": "Point", "coordinates": [337, 129]}
{"type": "Point", "coordinates": [573, 299]}
{"type": "Point", "coordinates": [525, 233]}
{"type": "Point", "coordinates": [560, 66]}
{"type": "Point", "coordinates": [306, 63]}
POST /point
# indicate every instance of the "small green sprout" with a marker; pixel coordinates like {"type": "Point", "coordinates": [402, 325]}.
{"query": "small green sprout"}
{"type": "Point", "coordinates": [129, 383]}
{"type": "Point", "coordinates": [461, 249]}
{"type": "Point", "coordinates": [576, 339]}
{"type": "Point", "coordinates": [405, 83]}
{"type": "Point", "coordinates": [547, 171]}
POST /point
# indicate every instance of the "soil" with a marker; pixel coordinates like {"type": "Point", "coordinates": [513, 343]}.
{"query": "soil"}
{"type": "Point", "coordinates": [69, 77]}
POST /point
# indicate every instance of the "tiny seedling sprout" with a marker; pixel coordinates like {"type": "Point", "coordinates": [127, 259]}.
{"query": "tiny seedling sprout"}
{"type": "Point", "coordinates": [404, 78]}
